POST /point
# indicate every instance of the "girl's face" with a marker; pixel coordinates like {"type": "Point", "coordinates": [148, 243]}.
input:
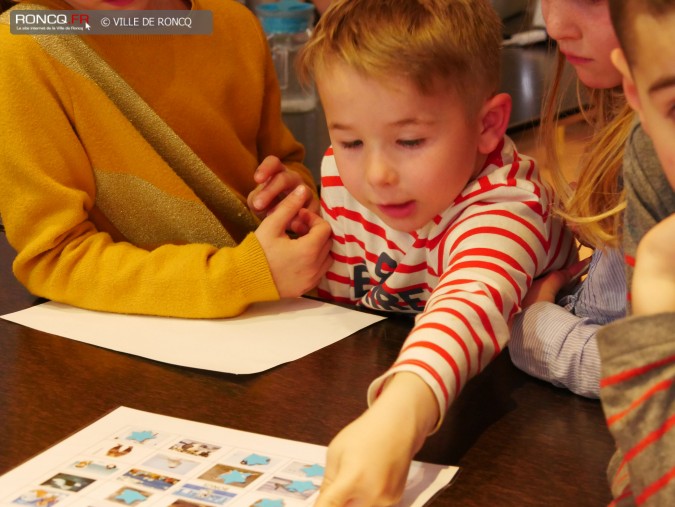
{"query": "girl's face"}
{"type": "Point", "coordinates": [585, 36]}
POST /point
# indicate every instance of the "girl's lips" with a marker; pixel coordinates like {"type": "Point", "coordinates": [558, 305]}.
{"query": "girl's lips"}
{"type": "Point", "coordinates": [397, 210]}
{"type": "Point", "coordinates": [576, 60]}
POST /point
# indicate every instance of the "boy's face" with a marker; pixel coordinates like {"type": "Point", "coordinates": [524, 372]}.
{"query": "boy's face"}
{"type": "Point", "coordinates": [651, 87]}
{"type": "Point", "coordinates": [403, 155]}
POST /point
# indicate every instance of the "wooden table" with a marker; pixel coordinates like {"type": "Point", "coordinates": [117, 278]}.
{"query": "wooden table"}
{"type": "Point", "coordinates": [520, 442]}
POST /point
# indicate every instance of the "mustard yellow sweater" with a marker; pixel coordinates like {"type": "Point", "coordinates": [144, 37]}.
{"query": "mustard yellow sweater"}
{"type": "Point", "coordinates": [97, 217]}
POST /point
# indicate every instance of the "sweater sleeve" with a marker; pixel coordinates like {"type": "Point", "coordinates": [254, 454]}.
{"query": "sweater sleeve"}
{"type": "Point", "coordinates": [557, 342]}
{"type": "Point", "coordinates": [47, 192]}
{"type": "Point", "coordinates": [638, 397]}
{"type": "Point", "coordinates": [490, 256]}
{"type": "Point", "coordinates": [552, 344]}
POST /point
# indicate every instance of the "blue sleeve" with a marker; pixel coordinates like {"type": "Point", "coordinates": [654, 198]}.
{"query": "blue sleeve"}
{"type": "Point", "coordinates": [557, 342]}
{"type": "Point", "coordinates": [552, 344]}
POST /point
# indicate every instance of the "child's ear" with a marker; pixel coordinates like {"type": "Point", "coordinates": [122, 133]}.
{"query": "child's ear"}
{"type": "Point", "coordinates": [629, 89]}
{"type": "Point", "coordinates": [494, 119]}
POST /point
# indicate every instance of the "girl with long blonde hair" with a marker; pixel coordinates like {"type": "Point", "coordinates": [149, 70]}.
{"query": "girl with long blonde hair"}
{"type": "Point", "coordinates": [553, 338]}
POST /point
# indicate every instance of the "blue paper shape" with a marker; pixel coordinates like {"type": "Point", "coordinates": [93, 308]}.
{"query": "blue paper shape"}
{"type": "Point", "coordinates": [130, 496]}
{"type": "Point", "coordinates": [300, 486]}
{"type": "Point", "coordinates": [266, 502]}
{"type": "Point", "coordinates": [255, 459]}
{"type": "Point", "coordinates": [141, 436]}
{"type": "Point", "coordinates": [313, 470]}
{"type": "Point", "coordinates": [234, 476]}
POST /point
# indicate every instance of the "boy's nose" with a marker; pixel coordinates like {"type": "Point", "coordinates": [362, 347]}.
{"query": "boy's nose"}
{"type": "Point", "coordinates": [379, 172]}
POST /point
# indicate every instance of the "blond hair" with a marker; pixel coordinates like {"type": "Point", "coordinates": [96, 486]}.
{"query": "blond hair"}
{"type": "Point", "coordinates": [457, 41]}
{"type": "Point", "coordinates": [594, 206]}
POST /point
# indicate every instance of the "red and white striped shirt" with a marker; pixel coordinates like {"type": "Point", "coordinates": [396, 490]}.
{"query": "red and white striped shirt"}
{"type": "Point", "coordinates": [465, 272]}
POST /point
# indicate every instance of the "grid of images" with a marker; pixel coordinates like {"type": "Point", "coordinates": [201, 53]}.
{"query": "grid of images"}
{"type": "Point", "coordinates": [141, 467]}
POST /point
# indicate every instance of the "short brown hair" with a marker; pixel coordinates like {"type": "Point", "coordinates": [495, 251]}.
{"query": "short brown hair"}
{"type": "Point", "coordinates": [458, 41]}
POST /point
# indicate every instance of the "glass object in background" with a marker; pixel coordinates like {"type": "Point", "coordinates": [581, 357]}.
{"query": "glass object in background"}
{"type": "Point", "coordinates": [537, 16]}
{"type": "Point", "coordinates": [288, 25]}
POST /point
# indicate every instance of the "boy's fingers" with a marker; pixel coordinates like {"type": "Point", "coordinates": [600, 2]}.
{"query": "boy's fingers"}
{"type": "Point", "coordinates": [551, 282]}
{"type": "Point", "coordinates": [299, 227]}
{"type": "Point", "coordinates": [319, 230]}
{"type": "Point", "coordinates": [577, 270]}
{"type": "Point", "coordinates": [275, 188]}
{"type": "Point", "coordinates": [578, 267]}
{"type": "Point", "coordinates": [341, 488]}
{"type": "Point", "coordinates": [546, 288]}
{"type": "Point", "coordinates": [312, 218]}
{"type": "Point", "coordinates": [267, 191]}
{"type": "Point", "coordinates": [555, 281]}
{"type": "Point", "coordinates": [333, 496]}
{"type": "Point", "coordinates": [314, 205]}
{"type": "Point", "coordinates": [267, 168]}
{"type": "Point", "coordinates": [343, 496]}
{"type": "Point", "coordinates": [287, 209]}
{"type": "Point", "coordinates": [253, 200]}
{"type": "Point", "coordinates": [314, 221]}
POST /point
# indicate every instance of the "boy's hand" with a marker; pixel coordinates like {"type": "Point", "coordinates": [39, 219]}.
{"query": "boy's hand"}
{"type": "Point", "coordinates": [368, 461]}
{"type": "Point", "coordinates": [546, 288]}
{"type": "Point", "coordinates": [275, 182]}
{"type": "Point", "coordinates": [653, 289]}
{"type": "Point", "coordinates": [297, 265]}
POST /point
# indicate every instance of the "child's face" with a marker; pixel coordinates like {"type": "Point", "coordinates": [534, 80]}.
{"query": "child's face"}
{"type": "Point", "coordinates": [584, 33]}
{"type": "Point", "coordinates": [402, 154]}
{"type": "Point", "coordinates": [654, 80]}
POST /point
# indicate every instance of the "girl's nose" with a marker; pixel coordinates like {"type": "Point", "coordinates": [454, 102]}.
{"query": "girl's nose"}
{"type": "Point", "coordinates": [561, 19]}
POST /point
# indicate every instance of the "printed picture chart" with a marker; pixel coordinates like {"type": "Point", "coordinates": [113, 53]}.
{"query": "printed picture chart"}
{"type": "Point", "coordinates": [140, 459]}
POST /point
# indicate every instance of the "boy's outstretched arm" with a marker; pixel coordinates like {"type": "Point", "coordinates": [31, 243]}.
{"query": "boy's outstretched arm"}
{"type": "Point", "coordinates": [368, 460]}
{"type": "Point", "coordinates": [296, 265]}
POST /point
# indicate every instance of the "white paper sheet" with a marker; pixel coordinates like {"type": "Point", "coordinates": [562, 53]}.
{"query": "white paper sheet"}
{"type": "Point", "coordinates": [135, 458]}
{"type": "Point", "coordinates": [266, 335]}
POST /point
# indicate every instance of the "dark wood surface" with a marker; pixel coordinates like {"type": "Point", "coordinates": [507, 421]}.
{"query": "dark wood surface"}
{"type": "Point", "coordinates": [520, 442]}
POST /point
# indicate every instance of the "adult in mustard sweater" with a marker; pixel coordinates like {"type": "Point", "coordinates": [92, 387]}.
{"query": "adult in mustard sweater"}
{"type": "Point", "coordinates": [101, 220]}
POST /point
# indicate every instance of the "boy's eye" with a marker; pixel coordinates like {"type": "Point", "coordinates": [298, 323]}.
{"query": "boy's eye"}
{"type": "Point", "coordinates": [351, 144]}
{"type": "Point", "coordinates": [410, 143]}
{"type": "Point", "coordinates": [671, 111]}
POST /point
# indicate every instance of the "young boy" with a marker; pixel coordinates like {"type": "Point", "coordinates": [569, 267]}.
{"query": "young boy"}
{"type": "Point", "coordinates": [126, 162]}
{"type": "Point", "coordinates": [433, 212]}
{"type": "Point", "coordinates": [638, 353]}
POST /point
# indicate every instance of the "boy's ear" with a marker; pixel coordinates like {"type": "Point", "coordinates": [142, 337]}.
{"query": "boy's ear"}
{"type": "Point", "coordinates": [629, 89]}
{"type": "Point", "coordinates": [494, 119]}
